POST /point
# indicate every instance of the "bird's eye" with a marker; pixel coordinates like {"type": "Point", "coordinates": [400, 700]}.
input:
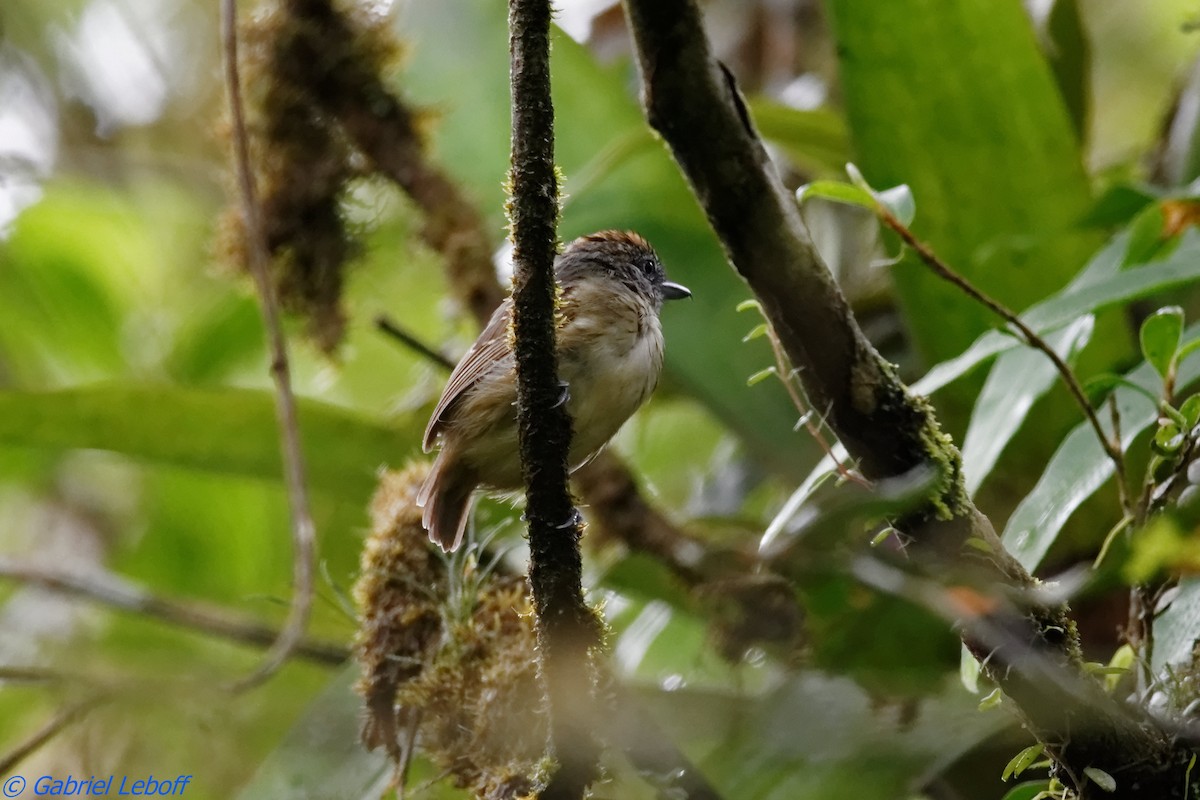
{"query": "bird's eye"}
{"type": "Point", "coordinates": [646, 265]}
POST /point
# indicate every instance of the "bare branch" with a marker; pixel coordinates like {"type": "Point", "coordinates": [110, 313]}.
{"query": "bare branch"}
{"type": "Point", "coordinates": [388, 326]}
{"type": "Point", "coordinates": [64, 718]}
{"type": "Point", "coordinates": [567, 628]}
{"type": "Point", "coordinates": [115, 592]}
{"type": "Point", "coordinates": [303, 530]}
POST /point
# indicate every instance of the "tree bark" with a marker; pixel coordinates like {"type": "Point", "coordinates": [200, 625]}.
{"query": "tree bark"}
{"type": "Point", "coordinates": [567, 628]}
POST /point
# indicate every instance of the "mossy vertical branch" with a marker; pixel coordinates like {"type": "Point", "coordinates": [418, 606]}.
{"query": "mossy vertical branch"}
{"type": "Point", "coordinates": [567, 629]}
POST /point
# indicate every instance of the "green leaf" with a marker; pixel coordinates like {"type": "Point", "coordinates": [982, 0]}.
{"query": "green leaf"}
{"type": "Point", "coordinates": [968, 670]}
{"type": "Point", "coordinates": [992, 154]}
{"type": "Point", "coordinates": [757, 332]}
{"type": "Point", "coordinates": [1098, 387]}
{"type": "Point", "coordinates": [1021, 761]}
{"type": "Point", "coordinates": [1101, 778]}
{"type": "Point", "coordinates": [1146, 242]}
{"type": "Point", "coordinates": [230, 431]}
{"type": "Point", "coordinates": [838, 192]}
{"type": "Point", "coordinates": [760, 376]}
{"type": "Point", "coordinates": [1190, 411]}
{"type": "Point", "coordinates": [1117, 205]}
{"type": "Point", "coordinates": [1181, 269]}
{"type": "Point", "coordinates": [1013, 385]}
{"type": "Point", "coordinates": [991, 700]}
{"type": "Point", "coordinates": [1168, 440]}
{"type": "Point", "coordinates": [1177, 628]}
{"type": "Point", "coordinates": [1079, 466]}
{"type": "Point", "coordinates": [1121, 664]}
{"type": "Point", "coordinates": [1031, 790]}
{"type": "Point", "coordinates": [898, 200]}
{"type": "Point", "coordinates": [1160, 337]}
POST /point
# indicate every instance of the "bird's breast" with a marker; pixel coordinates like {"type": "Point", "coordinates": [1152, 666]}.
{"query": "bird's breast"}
{"type": "Point", "coordinates": [611, 359]}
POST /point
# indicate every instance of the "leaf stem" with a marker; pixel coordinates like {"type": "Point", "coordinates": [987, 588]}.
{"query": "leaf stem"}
{"type": "Point", "coordinates": [1111, 448]}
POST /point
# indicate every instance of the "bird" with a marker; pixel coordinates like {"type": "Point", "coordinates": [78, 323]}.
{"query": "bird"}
{"type": "Point", "coordinates": [609, 344]}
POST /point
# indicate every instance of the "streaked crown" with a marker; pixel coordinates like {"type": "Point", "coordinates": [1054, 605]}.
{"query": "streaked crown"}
{"type": "Point", "coordinates": [621, 256]}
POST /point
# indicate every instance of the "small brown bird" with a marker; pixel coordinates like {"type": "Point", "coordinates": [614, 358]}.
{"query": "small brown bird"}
{"type": "Point", "coordinates": [610, 354]}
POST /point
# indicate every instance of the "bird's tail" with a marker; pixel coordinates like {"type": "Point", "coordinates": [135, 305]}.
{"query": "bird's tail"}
{"type": "Point", "coordinates": [445, 499]}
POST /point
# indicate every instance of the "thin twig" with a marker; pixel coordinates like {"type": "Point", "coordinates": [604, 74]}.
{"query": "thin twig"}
{"type": "Point", "coordinates": [54, 726]}
{"type": "Point", "coordinates": [787, 376]}
{"type": "Point", "coordinates": [114, 592]}
{"type": "Point", "coordinates": [31, 674]}
{"type": "Point", "coordinates": [388, 326]}
{"type": "Point", "coordinates": [941, 269]}
{"type": "Point", "coordinates": [303, 529]}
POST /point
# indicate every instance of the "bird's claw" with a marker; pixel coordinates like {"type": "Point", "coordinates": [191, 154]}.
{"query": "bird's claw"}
{"type": "Point", "coordinates": [574, 521]}
{"type": "Point", "coordinates": [565, 397]}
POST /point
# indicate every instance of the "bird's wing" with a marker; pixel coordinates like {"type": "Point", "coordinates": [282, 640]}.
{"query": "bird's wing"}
{"type": "Point", "coordinates": [491, 346]}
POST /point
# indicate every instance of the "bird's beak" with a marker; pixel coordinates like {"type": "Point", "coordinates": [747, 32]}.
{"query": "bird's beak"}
{"type": "Point", "coordinates": [674, 291]}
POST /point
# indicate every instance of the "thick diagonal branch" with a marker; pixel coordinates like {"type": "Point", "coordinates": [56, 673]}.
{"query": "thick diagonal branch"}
{"type": "Point", "coordinates": [567, 628]}
{"type": "Point", "coordinates": [691, 100]}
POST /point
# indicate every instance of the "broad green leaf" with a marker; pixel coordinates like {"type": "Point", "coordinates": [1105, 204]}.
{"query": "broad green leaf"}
{"type": "Point", "coordinates": [230, 431]}
{"type": "Point", "coordinates": [1180, 269]}
{"type": "Point", "coordinates": [1119, 204]}
{"type": "Point", "coordinates": [1177, 628]}
{"type": "Point", "coordinates": [1146, 240]}
{"type": "Point", "coordinates": [991, 155]}
{"type": "Point", "coordinates": [1079, 467]}
{"type": "Point", "coordinates": [1160, 335]}
{"type": "Point", "coordinates": [1097, 388]}
{"type": "Point", "coordinates": [898, 200]}
{"type": "Point", "coordinates": [1013, 385]}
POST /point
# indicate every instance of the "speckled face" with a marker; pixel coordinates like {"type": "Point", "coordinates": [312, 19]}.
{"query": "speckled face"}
{"type": "Point", "coordinates": [625, 257]}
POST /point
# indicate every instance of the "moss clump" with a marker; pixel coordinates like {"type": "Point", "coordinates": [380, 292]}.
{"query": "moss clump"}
{"type": "Point", "coordinates": [452, 648]}
{"type": "Point", "coordinates": [304, 165]}
{"type": "Point", "coordinates": [398, 596]}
